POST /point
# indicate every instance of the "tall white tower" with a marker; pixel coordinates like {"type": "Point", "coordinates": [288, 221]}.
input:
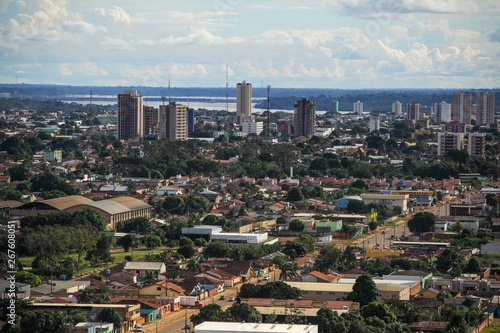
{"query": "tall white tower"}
{"type": "Point", "coordinates": [397, 108]}
{"type": "Point", "coordinates": [358, 108]}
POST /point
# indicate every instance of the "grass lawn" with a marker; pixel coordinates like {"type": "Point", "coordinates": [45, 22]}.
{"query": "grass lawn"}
{"type": "Point", "coordinates": [118, 256]}
{"type": "Point", "coordinates": [493, 328]}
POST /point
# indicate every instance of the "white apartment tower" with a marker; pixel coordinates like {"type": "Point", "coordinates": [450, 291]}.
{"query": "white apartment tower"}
{"type": "Point", "coordinates": [243, 101]}
{"type": "Point", "coordinates": [485, 111]}
{"type": "Point", "coordinates": [358, 108]}
{"type": "Point", "coordinates": [250, 126]}
{"type": "Point", "coordinates": [397, 108]}
{"type": "Point", "coordinates": [130, 115]}
{"type": "Point", "coordinates": [173, 121]}
{"type": "Point", "coordinates": [374, 122]}
{"type": "Point", "coordinates": [449, 141]}
{"type": "Point", "coordinates": [442, 112]}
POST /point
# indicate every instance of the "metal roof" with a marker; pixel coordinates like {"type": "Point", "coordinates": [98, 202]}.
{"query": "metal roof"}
{"type": "Point", "coordinates": [129, 202]}
{"type": "Point", "coordinates": [10, 203]}
{"type": "Point", "coordinates": [65, 202]}
{"type": "Point", "coordinates": [219, 327]}
{"type": "Point", "coordinates": [109, 207]}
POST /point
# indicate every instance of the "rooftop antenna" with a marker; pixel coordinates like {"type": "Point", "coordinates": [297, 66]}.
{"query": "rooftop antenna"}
{"type": "Point", "coordinates": [169, 90]}
{"type": "Point", "coordinates": [16, 92]}
{"type": "Point", "coordinates": [269, 110]}
{"type": "Point", "coordinates": [91, 101]}
{"type": "Point", "coordinates": [163, 100]}
{"type": "Point", "coordinates": [227, 106]}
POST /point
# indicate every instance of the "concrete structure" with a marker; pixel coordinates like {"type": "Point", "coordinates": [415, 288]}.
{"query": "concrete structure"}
{"type": "Point", "coordinates": [151, 120]}
{"type": "Point", "coordinates": [388, 200]}
{"type": "Point", "coordinates": [374, 122]}
{"type": "Point", "coordinates": [449, 141]}
{"type": "Point", "coordinates": [442, 112]}
{"type": "Point", "coordinates": [50, 155]}
{"type": "Point", "coordinates": [243, 101]}
{"type": "Point", "coordinates": [357, 108]}
{"type": "Point", "coordinates": [462, 108]}
{"type": "Point", "coordinates": [59, 288]}
{"type": "Point", "coordinates": [251, 126]}
{"type": "Point", "coordinates": [324, 227]}
{"type": "Point", "coordinates": [485, 108]}
{"type": "Point", "coordinates": [130, 115]}
{"type": "Point", "coordinates": [397, 108]}
{"type": "Point", "coordinates": [454, 127]}
{"type": "Point", "coordinates": [140, 267]}
{"type": "Point", "coordinates": [304, 118]}
{"type": "Point", "coordinates": [413, 111]}
{"type": "Point", "coordinates": [173, 122]}
{"type": "Point", "coordinates": [343, 202]}
{"type": "Point", "coordinates": [241, 239]}
{"type": "Point", "coordinates": [223, 327]}
{"type": "Point", "coordinates": [22, 290]}
{"type": "Point", "coordinates": [93, 327]}
{"type": "Point", "coordinates": [476, 145]}
{"type": "Point", "coordinates": [491, 247]}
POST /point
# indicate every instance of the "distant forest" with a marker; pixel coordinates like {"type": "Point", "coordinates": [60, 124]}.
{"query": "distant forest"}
{"type": "Point", "coordinates": [281, 98]}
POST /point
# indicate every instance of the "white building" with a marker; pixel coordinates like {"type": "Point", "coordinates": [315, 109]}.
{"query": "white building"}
{"type": "Point", "coordinates": [388, 200]}
{"type": "Point", "coordinates": [250, 126]}
{"type": "Point", "coordinates": [442, 112]}
{"type": "Point", "coordinates": [358, 108]}
{"type": "Point", "coordinates": [223, 327]}
{"type": "Point", "coordinates": [397, 108]}
{"type": "Point", "coordinates": [374, 122]}
{"type": "Point", "coordinates": [213, 233]}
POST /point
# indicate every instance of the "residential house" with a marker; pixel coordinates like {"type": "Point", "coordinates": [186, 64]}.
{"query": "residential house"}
{"type": "Point", "coordinates": [151, 308]}
{"type": "Point", "coordinates": [162, 288]}
{"type": "Point", "coordinates": [316, 276]}
{"type": "Point", "coordinates": [141, 267]}
{"type": "Point", "coordinates": [169, 190]}
{"type": "Point", "coordinates": [59, 288]}
{"type": "Point", "coordinates": [179, 180]}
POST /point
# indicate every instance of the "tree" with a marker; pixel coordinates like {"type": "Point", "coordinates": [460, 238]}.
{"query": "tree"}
{"type": "Point", "coordinates": [364, 291]}
{"type": "Point", "coordinates": [27, 277]}
{"type": "Point", "coordinates": [449, 258]}
{"type": "Point", "coordinates": [329, 321]}
{"type": "Point", "coordinates": [296, 225]}
{"type": "Point", "coordinates": [356, 206]}
{"type": "Point", "coordinates": [379, 310]}
{"type": "Point", "coordinates": [422, 222]}
{"type": "Point", "coordinates": [194, 265]}
{"type": "Point", "coordinates": [295, 194]}
{"type": "Point", "coordinates": [186, 250]}
{"type": "Point", "coordinates": [185, 240]}
{"type": "Point", "coordinates": [277, 290]}
{"type": "Point", "coordinates": [150, 277]}
{"type": "Point", "coordinates": [45, 321]}
{"type": "Point", "coordinates": [126, 242]}
{"type": "Point", "coordinates": [200, 242]}
{"type": "Point", "coordinates": [373, 226]}
{"type": "Point", "coordinates": [328, 259]}
{"type": "Point", "coordinates": [152, 241]}
{"type": "Point", "coordinates": [288, 270]}
{"type": "Point", "coordinates": [244, 312]}
{"type": "Point", "coordinates": [361, 184]}
{"type": "Point", "coordinates": [281, 220]}
{"type": "Point", "coordinates": [211, 312]}
{"type": "Point", "coordinates": [473, 266]}
{"type": "Point", "coordinates": [110, 315]}
{"type": "Point", "coordinates": [85, 296]}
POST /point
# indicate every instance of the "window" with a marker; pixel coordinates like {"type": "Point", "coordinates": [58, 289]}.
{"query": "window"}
{"type": "Point", "coordinates": [158, 288]}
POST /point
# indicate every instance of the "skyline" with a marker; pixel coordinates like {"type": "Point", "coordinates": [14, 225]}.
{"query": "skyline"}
{"type": "Point", "coordinates": [332, 44]}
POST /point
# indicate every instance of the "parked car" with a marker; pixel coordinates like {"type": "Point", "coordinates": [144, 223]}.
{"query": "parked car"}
{"type": "Point", "coordinates": [222, 298]}
{"type": "Point", "coordinates": [231, 299]}
{"type": "Point", "coordinates": [138, 328]}
{"type": "Point", "coordinates": [267, 277]}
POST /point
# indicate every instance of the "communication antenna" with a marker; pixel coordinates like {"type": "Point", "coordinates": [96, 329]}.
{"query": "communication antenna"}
{"type": "Point", "coordinates": [227, 106]}
{"type": "Point", "coordinates": [169, 90]}
{"type": "Point", "coordinates": [91, 101]}
{"type": "Point", "coordinates": [269, 110]}
{"type": "Point", "coordinates": [16, 92]}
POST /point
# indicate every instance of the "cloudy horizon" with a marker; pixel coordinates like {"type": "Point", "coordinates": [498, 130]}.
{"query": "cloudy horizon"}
{"type": "Point", "coordinates": [343, 44]}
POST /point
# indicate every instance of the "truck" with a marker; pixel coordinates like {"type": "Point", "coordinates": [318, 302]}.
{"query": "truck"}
{"type": "Point", "coordinates": [190, 301]}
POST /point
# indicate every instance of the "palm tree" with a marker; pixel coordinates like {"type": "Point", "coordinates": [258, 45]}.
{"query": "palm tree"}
{"type": "Point", "coordinates": [86, 296]}
{"type": "Point", "coordinates": [194, 265]}
{"type": "Point", "coordinates": [150, 277]}
{"type": "Point", "coordinates": [288, 270]}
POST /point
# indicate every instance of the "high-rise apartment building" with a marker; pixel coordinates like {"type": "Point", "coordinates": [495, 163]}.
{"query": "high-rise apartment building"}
{"type": "Point", "coordinates": [374, 122]}
{"type": "Point", "coordinates": [173, 121]}
{"type": "Point", "coordinates": [251, 126]}
{"type": "Point", "coordinates": [243, 101]}
{"type": "Point", "coordinates": [151, 120]}
{"type": "Point", "coordinates": [476, 144]}
{"type": "Point", "coordinates": [335, 106]}
{"type": "Point", "coordinates": [130, 115]}
{"type": "Point", "coordinates": [191, 121]}
{"type": "Point", "coordinates": [304, 117]}
{"type": "Point", "coordinates": [461, 110]}
{"type": "Point", "coordinates": [413, 111]}
{"type": "Point", "coordinates": [485, 111]}
{"type": "Point", "coordinates": [442, 112]}
{"type": "Point", "coordinates": [449, 141]}
{"type": "Point", "coordinates": [358, 108]}
{"type": "Point", "coordinates": [397, 108]}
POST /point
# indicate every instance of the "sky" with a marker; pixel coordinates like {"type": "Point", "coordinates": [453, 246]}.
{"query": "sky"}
{"type": "Point", "coordinates": [341, 44]}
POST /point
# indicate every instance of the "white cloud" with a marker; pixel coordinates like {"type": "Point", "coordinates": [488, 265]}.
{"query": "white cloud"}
{"type": "Point", "coordinates": [115, 13]}
{"type": "Point", "coordinates": [202, 37]}
{"type": "Point", "coordinates": [85, 68]}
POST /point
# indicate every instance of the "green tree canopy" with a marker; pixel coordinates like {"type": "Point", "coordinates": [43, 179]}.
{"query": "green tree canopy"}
{"type": "Point", "coordinates": [422, 222]}
{"type": "Point", "coordinates": [364, 291]}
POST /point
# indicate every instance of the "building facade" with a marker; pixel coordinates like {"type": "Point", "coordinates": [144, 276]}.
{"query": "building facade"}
{"type": "Point", "coordinates": [449, 141]}
{"type": "Point", "coordinates": [304, 117]}
{"type": "Point", "coordinates": [485, 112]}
{"type": "Point", "coordinates": [442, 112]}
{"type": "Point", "coordinates": [397, 108]}
{"type": "Point", "coordinates": [151, 120]}
{"type": "Point", "coordinates": [243, 101]}
{"type": "Point", "coordinates": [130, 115]}
{"type": "Point", "coordinates": [357, 108]}
{"type": "Point", "coordinates": [462, 108]}
{"type": "Point", "coordinates": [476, 144]}
{"type": "Point", "coordinates": [173, 122]}
{"type": "Point", "coordinates": [374, 122]}
{"type": "Point", "coordinates": [413, 111]}
{"type": "Point", "coordinates": [251, 126]}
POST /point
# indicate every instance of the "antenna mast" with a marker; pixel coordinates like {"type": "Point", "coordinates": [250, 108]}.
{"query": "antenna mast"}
{"type": "Point", "coordinates": [169, 90]}
{"type": "Point", "coordinates": [227, 107]}
{"type": "Point", "coordinates": [91, 101]}
{"type": "Point", "coordinates": [16, 92]}
{"type": "Point", "coordinates": [269, 110]}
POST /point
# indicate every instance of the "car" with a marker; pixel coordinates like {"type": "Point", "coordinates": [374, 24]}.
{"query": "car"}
{"type": "Point", "coordinates": [138, 328]}
{"type": "Point", "coordinates": [267, 277]}
{"type": "Point", "coordinates": [222, 298]}
{"type": "Point", "coordinates": [231, 299]}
